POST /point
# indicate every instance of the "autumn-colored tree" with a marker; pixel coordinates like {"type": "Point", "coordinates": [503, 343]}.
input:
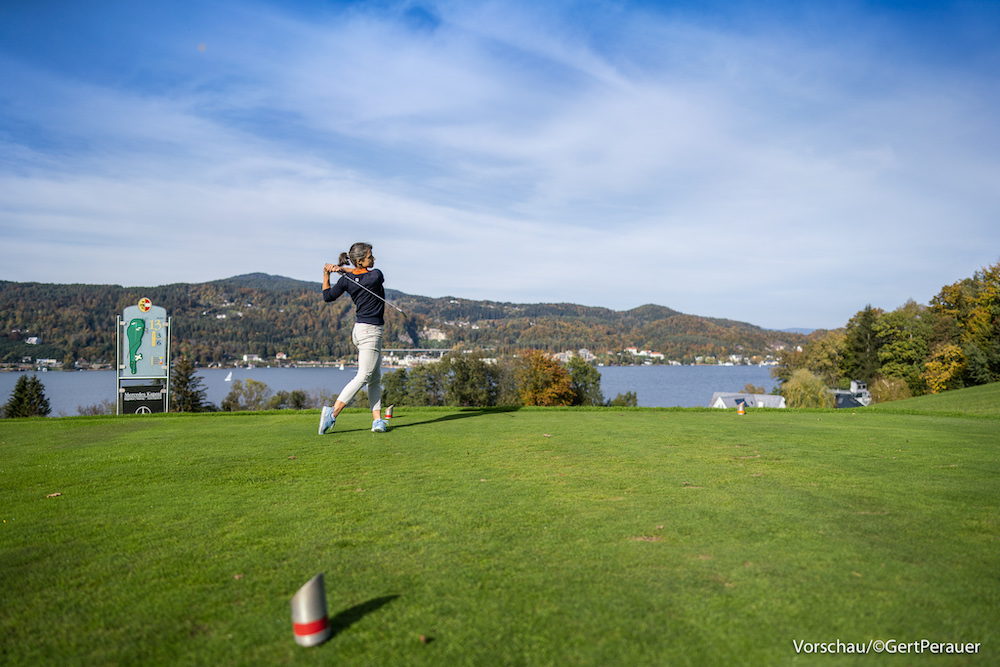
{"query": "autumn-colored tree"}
{"type": "Point", "coordinates": [944, 368]}
{"type": "Point", "coordinates": [543, 381]}
{"type": "Point", "coordinates": [983, 329]}
{"type": "Point", "coordinates": [823, 356]}
{"type": "Point", "coordinates": [968, 315]}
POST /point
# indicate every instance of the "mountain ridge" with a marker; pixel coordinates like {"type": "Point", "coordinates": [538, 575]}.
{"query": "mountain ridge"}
{"type": "Point", "coordinates": [219, 321]}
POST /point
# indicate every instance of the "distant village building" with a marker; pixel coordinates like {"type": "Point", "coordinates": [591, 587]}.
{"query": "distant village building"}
{"type": "Point", "coordinates": [412, 357]}
{"type": "Point", "coordinates": [281, 356]}
{"type": "Point", "coordinates": [636, 352]}
{"type": "Point", "coordinates": [251, 358]}
{"type": "Point", "coordinates": [583, 353]}
{"type": "Point", "coordinates": [433, 334]}
{"type": "Point", "coordinates": [725, 399]}
{"type": "Point", "coordinates": [857, 396]}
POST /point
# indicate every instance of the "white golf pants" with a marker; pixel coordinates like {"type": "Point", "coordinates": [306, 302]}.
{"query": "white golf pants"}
{"type": "Point", "coordinates": [368, 339]}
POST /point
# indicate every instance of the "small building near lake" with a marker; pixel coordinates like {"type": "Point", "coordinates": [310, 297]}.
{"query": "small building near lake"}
{"type": "Point", "coordinates": [857, 396]}
{"type": "Point", "coordinates": [727, 399]}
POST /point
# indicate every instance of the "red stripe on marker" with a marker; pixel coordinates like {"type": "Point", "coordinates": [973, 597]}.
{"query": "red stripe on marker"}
{"type": "Point", "coordinates": [303, 629]}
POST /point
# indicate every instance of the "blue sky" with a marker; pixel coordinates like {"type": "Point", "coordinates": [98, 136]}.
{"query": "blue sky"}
{"type": "Point", "coordinates": [779, 163]}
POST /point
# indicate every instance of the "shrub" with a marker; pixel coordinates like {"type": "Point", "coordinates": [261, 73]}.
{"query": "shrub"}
{"type": "Point", "coordinates": [626, 400]}
{"type": "Point", "coordinates": [105, 407]}
{"type": "Point", "coordinates": [249, 395]}
{"type": "Point", "coordinates": [884, 389]}
{"type": "Point", "coordinates": [807, 390]}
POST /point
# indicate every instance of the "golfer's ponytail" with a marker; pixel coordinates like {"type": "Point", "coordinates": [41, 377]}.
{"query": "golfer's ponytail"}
{"type": "Point", "coordinates": [356, 254]}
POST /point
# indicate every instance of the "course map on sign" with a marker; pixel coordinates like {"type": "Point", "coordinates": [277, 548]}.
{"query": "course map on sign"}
{"type": "Point", "coordinates": [144, 346]}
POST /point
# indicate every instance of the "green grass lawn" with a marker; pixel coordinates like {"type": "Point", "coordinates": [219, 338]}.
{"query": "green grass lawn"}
{"type": "Point", "coordinates": [983, 400]}
{"type": "Point", "coordinates": [527, 537]}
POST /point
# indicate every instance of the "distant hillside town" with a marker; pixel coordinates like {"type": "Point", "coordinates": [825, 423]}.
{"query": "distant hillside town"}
{"type": "Point", "coordinates": [259, 319]}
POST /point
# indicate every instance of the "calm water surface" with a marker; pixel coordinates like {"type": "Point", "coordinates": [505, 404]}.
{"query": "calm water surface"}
{"type": "Point", "coordinates": [655, 386]}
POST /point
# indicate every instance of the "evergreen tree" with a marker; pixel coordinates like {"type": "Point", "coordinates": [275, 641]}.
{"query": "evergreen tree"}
{"type": "Point", "coordinates": [425, 385]}
{"type": "Point", "coordinates": [904, 348]}
{"type": "Point", "coordinates": [188, 393]}
{"type": "Point", "coordinates": [586, 382]}
{"type": "Point", "coordinates": [472, 381]}
{"type": "Point", "coordinates": [28, 399]}
{"type": "Point", "coordinates": [394, 387]}
{"type": "Point", "coordinates": [861, 361]}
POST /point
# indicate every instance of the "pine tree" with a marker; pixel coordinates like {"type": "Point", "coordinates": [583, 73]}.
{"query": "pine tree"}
{"type": "Point", "coordinates": [862, 345]}
{"type": "Point", "coordinates": [188, 394]}
{"type": "Point", "coordinates": [28, 399]}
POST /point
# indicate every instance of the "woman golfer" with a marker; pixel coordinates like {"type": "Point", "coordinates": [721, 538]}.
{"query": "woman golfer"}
{"type": "Point", "coordinates": [367, 332]}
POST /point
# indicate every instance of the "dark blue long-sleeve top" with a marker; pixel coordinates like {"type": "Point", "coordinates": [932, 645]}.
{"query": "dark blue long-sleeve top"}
{"type": "Point", "coordinates": [370, 310]}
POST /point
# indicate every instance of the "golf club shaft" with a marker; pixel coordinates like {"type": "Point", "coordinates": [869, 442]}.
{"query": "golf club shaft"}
{"type": "Point", "coordinates": [358, 283]}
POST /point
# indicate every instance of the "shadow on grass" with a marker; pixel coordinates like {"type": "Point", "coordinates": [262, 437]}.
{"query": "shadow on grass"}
{"type": "Point", "coordinates": [464, 413]}
{"type": "Point", "coordinates": [349, 617]}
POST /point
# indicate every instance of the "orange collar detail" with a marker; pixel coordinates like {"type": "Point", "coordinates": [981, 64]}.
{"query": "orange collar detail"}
{"type": "Point", "coordinates": [358, 272]}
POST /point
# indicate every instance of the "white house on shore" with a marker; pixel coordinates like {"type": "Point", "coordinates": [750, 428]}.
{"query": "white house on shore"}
{"type": "Point", "coordinates": [726, 399]}
{"type": "Point", "coordinates": [857, 396]}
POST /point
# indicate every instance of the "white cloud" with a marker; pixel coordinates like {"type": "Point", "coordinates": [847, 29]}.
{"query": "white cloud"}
{"type": "Point", "coordinates": [514, 154]}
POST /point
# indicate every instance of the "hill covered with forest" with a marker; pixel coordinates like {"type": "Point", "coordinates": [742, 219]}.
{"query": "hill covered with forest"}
{"type": "Point", "coordinates": [222, 320]}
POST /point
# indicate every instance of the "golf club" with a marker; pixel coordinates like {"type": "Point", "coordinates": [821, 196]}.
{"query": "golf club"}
{"type": "Point", "coordinates": [358, 283]}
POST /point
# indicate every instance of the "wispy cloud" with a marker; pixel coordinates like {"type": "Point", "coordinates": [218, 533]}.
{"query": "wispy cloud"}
{"type": "Point", "coordinates": [780, 170]}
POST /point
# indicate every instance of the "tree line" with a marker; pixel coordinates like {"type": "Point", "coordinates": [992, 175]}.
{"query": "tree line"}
{"type": "Point", "coordinates": [916, 349]}
{"type": "Point", "coordinates": [460, 380]}
{"type": "Point", "coordinates": [218, 322]}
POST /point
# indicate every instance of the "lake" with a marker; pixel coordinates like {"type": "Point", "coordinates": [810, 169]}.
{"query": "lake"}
{"type": "Point", "coordinates": [655, 386]}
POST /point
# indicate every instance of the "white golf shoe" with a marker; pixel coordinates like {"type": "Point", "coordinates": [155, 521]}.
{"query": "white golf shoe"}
{"type": "Point", "coordinates": [378, 426]}
{"type": "Point", "coordinates": [326, 420]}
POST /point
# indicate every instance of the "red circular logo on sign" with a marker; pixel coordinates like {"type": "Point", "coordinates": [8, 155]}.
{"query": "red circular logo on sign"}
{"type": "Point", "coordinates": [145, 305]}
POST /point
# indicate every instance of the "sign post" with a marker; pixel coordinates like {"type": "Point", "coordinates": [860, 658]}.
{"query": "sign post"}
{"type": "Point", "coordinates": [143, 359]}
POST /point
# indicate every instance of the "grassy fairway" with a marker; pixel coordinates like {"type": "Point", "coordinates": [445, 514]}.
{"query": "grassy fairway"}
{"type": "Point", "coordinates": [535, 537]}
